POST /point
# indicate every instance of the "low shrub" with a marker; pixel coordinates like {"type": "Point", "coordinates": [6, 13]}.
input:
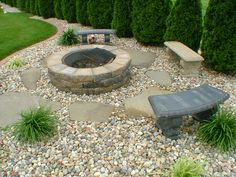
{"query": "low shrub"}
{"type": "Point", "coordinates": [16, 63]}
{"type": "Point", "coordinates": [220, 131]}
{"type": "Point", "coordinates": [36, 125]}
{"type": "Point", "coordinates": [68, 38]}
{"type": "Point", "coordinates": [185, 167]}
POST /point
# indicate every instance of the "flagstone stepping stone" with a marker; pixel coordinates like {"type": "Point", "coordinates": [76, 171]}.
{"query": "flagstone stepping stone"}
{"type": "Point", "coordinates": [12, 104]}
{"type": "Point", "coordinates": [30, 78]}
{"type": "Point", "coordinates": [140, 58]}
{"type": "Point", "coordinates": [140, 106]}
{"type": "Point", "coordinates": [161, 77]}
{"type": "Point", "coordinates": [95, 112]}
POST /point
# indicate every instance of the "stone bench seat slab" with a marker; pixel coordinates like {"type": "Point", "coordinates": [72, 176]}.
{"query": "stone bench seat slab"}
{"type": "Point", "coordinates": [183, 51]}
{"type": "Point", "coordinates": [96, 31]}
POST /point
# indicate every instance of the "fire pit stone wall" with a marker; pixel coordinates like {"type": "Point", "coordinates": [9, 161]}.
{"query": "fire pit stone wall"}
{"type": "Point", "coordinates": [96, 80]}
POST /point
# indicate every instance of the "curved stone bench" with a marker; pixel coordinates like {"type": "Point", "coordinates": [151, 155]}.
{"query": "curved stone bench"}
{"type": "Point", "coordinates": [201, 102]}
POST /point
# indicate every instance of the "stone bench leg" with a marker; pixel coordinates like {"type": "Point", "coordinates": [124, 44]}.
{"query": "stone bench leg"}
{"type": "Point", "coordinates": [84, 38]}
{"type": "Point", "coordinates": [205, 115]}
{"type": "Point", "coordinates": [190, 68]}
{"type": "Point", "coordinates": [107, 38]}
{"type": "Point", "coordinates": [170, 126]}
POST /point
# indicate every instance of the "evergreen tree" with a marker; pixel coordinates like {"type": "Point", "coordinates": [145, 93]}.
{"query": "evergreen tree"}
{"type": "Point", "coordinates": [9, 2]}
{"type": "Point", "coordinates": [122, 18]}
{"type": "Point", "coordinates": [46, 8]}
{"type": "Point", "coordinates": [32, 6]}
{"type": "Point", "coordinates": [149, 20]}
{"type": "Point", "coordinates": [36, 7]}
{"type": "Point", "coordinates": [81, 12]}
{"type": "Point", "coordinates": [100, 13]}
{"type": "Point", "coordinates": [27, 5]}
{"type": "Point", "coordinates": [14, 3]}
{"type": "Point", "coordinates": [58, 9]}
{"type": "Point", "coordinates": [219, 36]}
{"type": "Point", "coordinates": [69, 10]}
{"type": "Point", "coordinates": [20, 4]}
{"type": "Point", "coordinates": [184, 24]}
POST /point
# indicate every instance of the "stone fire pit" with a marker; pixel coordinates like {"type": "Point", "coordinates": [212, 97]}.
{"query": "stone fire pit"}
{"type": "Point", "coordinates": [89, 69]}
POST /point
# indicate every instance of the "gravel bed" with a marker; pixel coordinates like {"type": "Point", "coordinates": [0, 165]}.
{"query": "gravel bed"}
{"type": "Point", "coordinates": [123, 146]}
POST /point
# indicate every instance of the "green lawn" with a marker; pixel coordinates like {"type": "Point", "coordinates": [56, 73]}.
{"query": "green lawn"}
{"type": "Point", "coordinates": [17, 31]}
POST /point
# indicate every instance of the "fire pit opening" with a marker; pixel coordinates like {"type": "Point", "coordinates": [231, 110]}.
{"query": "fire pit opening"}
{"type": "Point", "coordinates": [89, 58]}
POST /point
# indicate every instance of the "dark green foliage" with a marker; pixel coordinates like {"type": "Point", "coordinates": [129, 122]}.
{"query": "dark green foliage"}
{"type": "Point", "coordinates": [81, 12]}
{"type": "Point", "coordinates": [122, 18]}
{"type": "Point", "coordinates": [149, 20]}
{"type": "Point", "coordinates": [14, 3]}
{"type": "Point", "coordinates": [36, 125]}
{"type": "Point", "coordinates": [68, 38]}
{"type": "Point", "coordinates": [36, 7]}
{"type": "Point", "coordinates": [184, 24]}
{"type": "Point", "coordinates": [58, 9]}
{"type": "Point", "coordinates": [100, 13]}
{"type": "Point", "coordinates": [220, 131]}
{"type": "Point", "coordinates": [9, 2]}
{"type": "Point", "coordinates": [219, 36]}
{"type": "Point", "coordinates": [27, 5]}
{"type": "Point", "coordinates": [20, 4]}
{"type": "Point", "coordinates": [32, 6]}
{"type": "Point", "coordinates": [69, 10]}
{"type": "Point", "coordinates": [46, 8]}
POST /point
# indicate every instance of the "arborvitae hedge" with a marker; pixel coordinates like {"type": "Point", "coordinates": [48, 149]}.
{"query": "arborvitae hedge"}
{"type": "Point", "coordinates": [149, 20]}
{"type": "Point", "coordinates": [122, 18]}
{"type": "Point", "coordinates": [14, 3]}
{"type": "Point", "coordinates": [20, 4]}
{"type": "Point", "coordinates": [9, 2]}
{"type": "Point", "coordinates": [46, 8]}
{"type": "Point", "coordinates": [68, 10]}
{"type": "Point", "coordinates": [100, 13]}
{"type": "Point", "coordinates": [184, 24]}
{"type": "Point", "coordinates": [58, 9]}
{"type": "Point", "coordinates": [32, 6]}
{"type": "Point", "coordinates": [219, 36]}
{"type": "Point", "coordinates": [36, 7]}
{"type": "Point", "coordinates": [81, 12]}
{"type": "Point", "coordinates": [27, 5]}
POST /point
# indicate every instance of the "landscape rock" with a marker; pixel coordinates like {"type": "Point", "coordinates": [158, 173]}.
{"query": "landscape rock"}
{"type": "Point", "coordinates": [161, 77]}
{"type": "Point", "coordinates": [12, 104]}
{"type": "Point", "coordinates": [95, 112]}
{"type": "Point", "coordinates": [140, 106]}
{"type": "Point", "coordinates": [141, 58]}
{"type": "Point", "coordinates": [30, 78]}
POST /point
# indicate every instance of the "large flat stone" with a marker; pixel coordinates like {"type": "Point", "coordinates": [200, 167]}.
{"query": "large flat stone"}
{"type": "Point", "coordinates": [12, 104]}
{"type": "Point", "coordinates": [140, 58]}
{"type": "Point", "coordinates": [161, 77]}
{"type": "Point", "coordinates": [30, 77]}
{"type": "Point", "coordinates": [140, 106]}
{"type": "Point", "coordinates": [96, 112]}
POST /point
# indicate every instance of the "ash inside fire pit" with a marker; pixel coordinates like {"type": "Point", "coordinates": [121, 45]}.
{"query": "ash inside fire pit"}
{"type": "Point", "coordinates": [89, 58]}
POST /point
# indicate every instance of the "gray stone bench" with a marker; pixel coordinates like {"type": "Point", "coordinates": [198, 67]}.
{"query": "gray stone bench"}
{"type": "Point", "coordinates": [189, 59]}
{"type": "Point", "coordinates": [201, 103]}
{"type": "Point", "coordinates": [106, 32]}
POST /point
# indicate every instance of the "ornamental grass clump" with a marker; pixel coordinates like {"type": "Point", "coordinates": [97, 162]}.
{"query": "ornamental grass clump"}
{"type": "Point", "coordinates": [16, 63]}
{"type": "Point", "coordinates": [185, 167]}
{"type": "Point", "coordinates": [220, 131]}
{"type": "Point", "coordinates": [68, 38]}
{"type": "Point", "coordinates": [38, 124]}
